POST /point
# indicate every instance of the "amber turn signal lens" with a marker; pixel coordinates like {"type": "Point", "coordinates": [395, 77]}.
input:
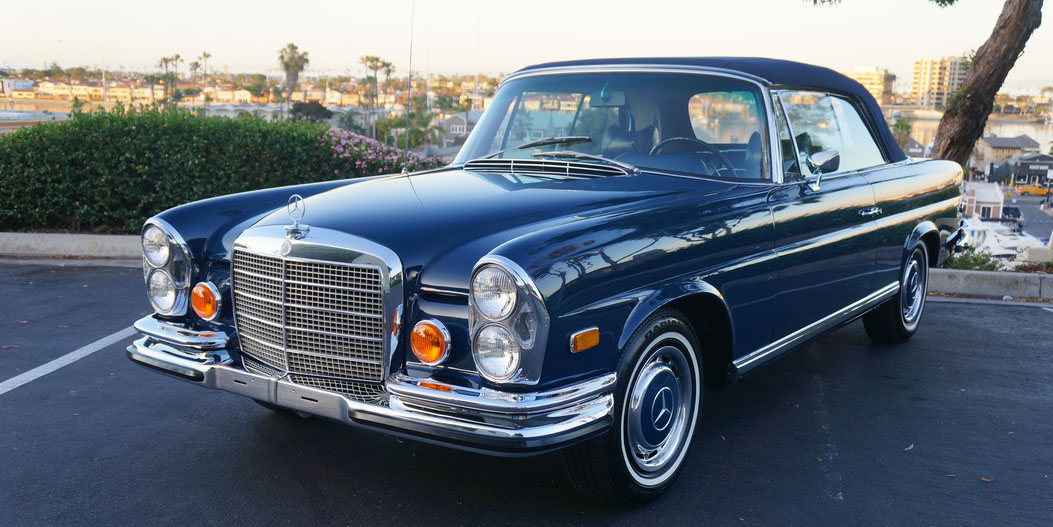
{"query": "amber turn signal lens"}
{"type": "Point", "coordinates": [205, 300]}
{"type": "Point", "coordinates": [429, 341]}
{"type": "Point", "coordinates": [584, 339]}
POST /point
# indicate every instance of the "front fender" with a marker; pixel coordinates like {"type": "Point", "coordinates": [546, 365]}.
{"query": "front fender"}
{"type": "Point", "coordinates": [664, 296]}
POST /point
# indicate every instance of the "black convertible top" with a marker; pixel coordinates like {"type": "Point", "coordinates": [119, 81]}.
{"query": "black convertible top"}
{"type": "Point", "coordinates": [773, 71]}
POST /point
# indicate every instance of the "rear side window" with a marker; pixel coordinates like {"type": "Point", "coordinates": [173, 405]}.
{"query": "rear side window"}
{"type": "Point", "coordinates": [821, 121]}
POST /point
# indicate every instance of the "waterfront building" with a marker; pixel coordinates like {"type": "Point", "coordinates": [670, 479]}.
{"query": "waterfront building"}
{"type": "Point", "coordinates": [7, 86]}
{"type": "Point", "coordinates": [349, 99]}
{"type": "Point", "coordinates": [935, 80]}
{"type": "Point", "coordinates": [991, 149]}
{"type": "Point", "coordinates": [876, 81]}
{"type": "Point", "coordinates": [983, 199]}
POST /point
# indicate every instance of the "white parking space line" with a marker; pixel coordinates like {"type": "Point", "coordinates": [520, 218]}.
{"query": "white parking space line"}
{"type": "Point", "coordinates": [69, 358]}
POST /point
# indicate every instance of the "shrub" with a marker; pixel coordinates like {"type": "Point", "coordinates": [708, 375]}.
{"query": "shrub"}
{"type": "Point", "coordinates": [109, 171]}
{"type": "Point", "coordinates": [973, 260]}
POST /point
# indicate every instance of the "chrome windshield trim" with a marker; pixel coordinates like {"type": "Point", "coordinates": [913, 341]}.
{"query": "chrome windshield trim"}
{"type": "Point", "coordinates": [775, 175]}
{"type": "Point", "coordinates": [762, 355]}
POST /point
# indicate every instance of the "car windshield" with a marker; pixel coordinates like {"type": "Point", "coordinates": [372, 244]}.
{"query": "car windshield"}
{"type": "Point", "coordinates": [695, 124]}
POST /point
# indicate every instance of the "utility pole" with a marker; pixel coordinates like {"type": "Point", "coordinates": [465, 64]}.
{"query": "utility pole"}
{"type": "Point", "coordinates": [409, 89]}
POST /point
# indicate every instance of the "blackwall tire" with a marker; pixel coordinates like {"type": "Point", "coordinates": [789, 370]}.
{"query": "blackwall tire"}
{"type": "Point", "coordinates": [897, 319]}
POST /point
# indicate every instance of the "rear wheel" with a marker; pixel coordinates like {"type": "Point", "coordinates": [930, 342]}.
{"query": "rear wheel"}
{"type": "Point", "coordinates": [897, 319]}
{"type": "Point", "coordinates": [657, 400]}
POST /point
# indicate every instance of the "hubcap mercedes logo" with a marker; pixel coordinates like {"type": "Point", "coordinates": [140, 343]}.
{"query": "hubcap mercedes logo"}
{"type": "Point", "coordinates": [661, 409]}
{"type": "Point", "coordinates": [296, 209]}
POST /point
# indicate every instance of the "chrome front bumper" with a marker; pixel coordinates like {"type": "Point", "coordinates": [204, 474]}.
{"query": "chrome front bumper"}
{"type": "Point", "coordinates": [481, 420]}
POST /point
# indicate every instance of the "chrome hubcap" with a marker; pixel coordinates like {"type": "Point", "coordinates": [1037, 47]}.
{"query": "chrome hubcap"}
{"type": "Point", "coordinates": [912, 290]}
{"type": "Point", "coordinates": [659, 409]}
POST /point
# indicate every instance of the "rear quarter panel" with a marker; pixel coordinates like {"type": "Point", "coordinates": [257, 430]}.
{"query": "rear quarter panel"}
{"type": "Point", "coordinates": [915, 197]}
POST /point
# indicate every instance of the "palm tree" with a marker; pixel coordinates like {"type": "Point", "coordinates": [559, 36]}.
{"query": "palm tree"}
{"type": "Point", "coordinates": [388, 69]}
{"type": "Point", "coordinates": [204, 62]}
{"type": "Point", "coordinates": [293, 61]}
{"type": "Point", "coordinates": [374, 63]}
{"type": "Point", "coordinates": [165, 63]}
{"type": "Point", "coordinates": [195, 66]}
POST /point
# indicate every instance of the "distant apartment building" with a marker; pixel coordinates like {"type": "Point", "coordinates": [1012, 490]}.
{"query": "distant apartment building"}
{"type": "Point", "coordinates": [877, 81]}
{"type": "Point", "coordinates": [935, 80]}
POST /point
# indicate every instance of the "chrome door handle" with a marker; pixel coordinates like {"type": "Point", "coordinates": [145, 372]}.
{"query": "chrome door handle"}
{"type": "Point", "coordinates": [872, 211]}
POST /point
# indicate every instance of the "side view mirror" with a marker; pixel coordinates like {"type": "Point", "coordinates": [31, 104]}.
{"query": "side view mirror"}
{"type": "Point", "coordinates": [821, 163]}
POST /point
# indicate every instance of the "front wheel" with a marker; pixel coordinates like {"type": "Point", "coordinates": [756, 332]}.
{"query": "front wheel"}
{"type": "Point", "coordinates": [657, 401]}
{"type": "Point", "coordinates": [897, 319]}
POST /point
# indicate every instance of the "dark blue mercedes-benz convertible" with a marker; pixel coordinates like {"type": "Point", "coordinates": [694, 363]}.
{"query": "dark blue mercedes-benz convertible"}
{"type": "Point", "coordinates": [613, 235]}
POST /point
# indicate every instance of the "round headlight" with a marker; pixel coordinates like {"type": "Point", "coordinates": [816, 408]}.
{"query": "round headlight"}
{"type": "Point", "coordinates": [494, 292]}
{"type": "Point", "coordinates": [496, 353]}
{"type": "Point", "coordinates": [155, 246]}
{"type": "Point", "coordinates": [161, 290]}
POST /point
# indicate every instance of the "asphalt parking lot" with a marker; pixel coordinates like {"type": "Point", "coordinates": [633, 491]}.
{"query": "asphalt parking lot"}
{"type": "Point", "coordinates": [953, 428]}
{"type": "Point", "coordinates": [1036, 223]}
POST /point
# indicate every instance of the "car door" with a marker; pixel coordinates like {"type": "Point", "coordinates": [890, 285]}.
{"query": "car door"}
{"type": "Point", "coordinates": [824, 228]}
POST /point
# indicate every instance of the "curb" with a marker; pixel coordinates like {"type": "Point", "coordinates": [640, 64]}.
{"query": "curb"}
{"type": "Point", "coordinates": [991, 284]}
{"type": "Point", "coordinates": [34, 244]}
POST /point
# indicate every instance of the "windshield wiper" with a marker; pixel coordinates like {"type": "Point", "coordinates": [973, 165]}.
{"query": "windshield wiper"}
{"type": "Point", "coordinates": [570, 154]}
{"type": "Point", "coordinates": [557, 140]}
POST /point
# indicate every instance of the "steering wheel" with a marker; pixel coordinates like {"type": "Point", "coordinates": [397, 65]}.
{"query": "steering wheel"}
{"type": "Point", "coordinates": [686, 144]}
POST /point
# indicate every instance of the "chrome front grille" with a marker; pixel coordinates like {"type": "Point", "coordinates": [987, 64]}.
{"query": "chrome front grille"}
{"type": "Point", "coordinates": [322, 322]}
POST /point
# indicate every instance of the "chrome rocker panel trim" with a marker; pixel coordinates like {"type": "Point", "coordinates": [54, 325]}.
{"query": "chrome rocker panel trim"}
{"type": "Point", "coordinates": [849, 313]}
{"type": "Point", "coordinates": [483, 421]}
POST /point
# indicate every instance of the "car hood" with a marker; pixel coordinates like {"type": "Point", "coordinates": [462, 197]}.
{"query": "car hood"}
{"type": "Point", "coordinates": [440, 223]}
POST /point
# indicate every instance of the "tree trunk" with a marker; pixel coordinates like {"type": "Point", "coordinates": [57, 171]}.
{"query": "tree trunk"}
{"type": "Point", "coordinates": [966, 114]}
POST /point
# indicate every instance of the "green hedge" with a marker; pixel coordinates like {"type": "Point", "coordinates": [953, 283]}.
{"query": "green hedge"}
{"type": "Point", "coordinates": [109, 171]}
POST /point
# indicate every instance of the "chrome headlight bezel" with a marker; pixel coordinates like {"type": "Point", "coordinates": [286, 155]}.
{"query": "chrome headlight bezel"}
{"type": "Point", "coordinates": [178, 265]}
{"type": "Point", "coordinates": [528, 314]}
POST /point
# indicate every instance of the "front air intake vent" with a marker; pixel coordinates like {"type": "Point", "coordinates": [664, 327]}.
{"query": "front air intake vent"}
{"type": "Point", "coordinates": [543, 167]}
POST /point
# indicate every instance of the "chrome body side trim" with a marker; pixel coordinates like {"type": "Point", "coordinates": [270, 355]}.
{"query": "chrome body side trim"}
{"type": "Point", "coordinates": [480, 420]}
{"type": "Point", "coordinates": [762, 355]}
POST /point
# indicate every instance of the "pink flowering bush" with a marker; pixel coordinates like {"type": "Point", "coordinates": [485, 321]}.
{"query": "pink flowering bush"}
{"type": "Point", "coordinates": [359, 155]}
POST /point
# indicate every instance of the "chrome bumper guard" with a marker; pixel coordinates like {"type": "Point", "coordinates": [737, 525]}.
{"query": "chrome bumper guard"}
{"type": "Point", "coordinates": [482, 420]}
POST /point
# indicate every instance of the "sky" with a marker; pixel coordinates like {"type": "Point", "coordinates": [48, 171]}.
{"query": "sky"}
{"type": "Point", "coordinates": [499, 36]}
